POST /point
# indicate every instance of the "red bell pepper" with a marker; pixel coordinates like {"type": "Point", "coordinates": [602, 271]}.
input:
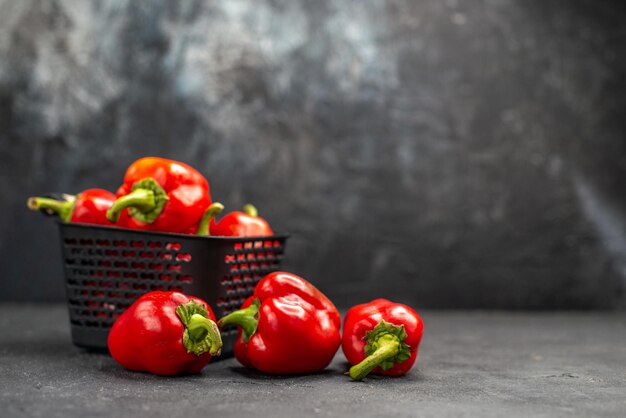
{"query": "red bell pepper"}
{"type": "Point", "coordinates": [237, 224]}
{"type": "Point", "coordinates": [165, 333]}
{"type": "Point", "coordinates": [162, 195]}
{"type": "Point", "coordinates": [381, 337]}
{"type": "Point", "coordinates": [88, 207]}
{"type": "Point", "coordinates": [287, 326]}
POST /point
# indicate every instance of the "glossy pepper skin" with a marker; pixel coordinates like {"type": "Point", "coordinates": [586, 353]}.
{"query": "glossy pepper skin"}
{"type": "Point", "coordinates": [162, 195]}
{"type": "Point", "coordinates": [286, 327]}
{"type": "Point", "coordinates": [88, 207]}
{"type": "Point", "coordinates": [381, 337]}
{"type": "Point", "coordinates": [165, 333]}
{"type": "Point", "coordinates": [239, 224]}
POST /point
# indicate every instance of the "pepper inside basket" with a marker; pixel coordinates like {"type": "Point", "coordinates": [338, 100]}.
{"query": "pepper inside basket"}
{"type": "Point", "coordinates": [107, 268]}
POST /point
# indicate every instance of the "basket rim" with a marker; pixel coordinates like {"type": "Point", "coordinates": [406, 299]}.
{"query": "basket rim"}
{"type": "Point", "coordinates": [138, 232]}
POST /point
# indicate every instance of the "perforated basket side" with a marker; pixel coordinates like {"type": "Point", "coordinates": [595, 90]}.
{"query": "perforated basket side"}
{"type": "Point", "coordinates": [106, 269]}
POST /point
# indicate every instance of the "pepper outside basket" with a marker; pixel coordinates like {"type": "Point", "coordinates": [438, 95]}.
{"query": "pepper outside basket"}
{"type": "Point", "coordinates": [107, 268]}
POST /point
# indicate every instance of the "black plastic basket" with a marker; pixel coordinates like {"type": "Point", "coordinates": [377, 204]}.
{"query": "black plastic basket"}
{"type": "Point", "coordinates": [107, 268]}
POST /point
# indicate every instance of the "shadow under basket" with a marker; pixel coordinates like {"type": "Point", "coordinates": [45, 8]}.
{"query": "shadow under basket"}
{"type": "Point", "coordinates": [107, 268]}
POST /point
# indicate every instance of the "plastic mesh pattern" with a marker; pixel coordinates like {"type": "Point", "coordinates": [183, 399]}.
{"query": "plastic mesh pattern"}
{"type": "Point", "coordinates": [106, 275]}
{"type": "Point", "coordinates": [107, 269]}
{"type": "Point", "coordinates": [248, 263]}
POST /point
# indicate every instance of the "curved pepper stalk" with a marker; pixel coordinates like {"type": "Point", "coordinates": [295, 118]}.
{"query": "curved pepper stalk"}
{"type": "Point", "coordinates": [209, 214]}
{"type": "Point", "coordinates": [145, 202]}
{"type": "Point", "coordinates": [385, 348]}
{"type": "Point", "coordinates": [62, 208]}
{"type": "Point", "coordinates": [247, 319]}
{"type": "Point", "coordinates": [201, 334]}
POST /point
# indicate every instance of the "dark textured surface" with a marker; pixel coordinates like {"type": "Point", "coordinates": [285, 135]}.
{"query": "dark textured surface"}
{"type": "Point", "coordinates": [470, 364]}
{"type": "Point", "coordinates": [445, 153]}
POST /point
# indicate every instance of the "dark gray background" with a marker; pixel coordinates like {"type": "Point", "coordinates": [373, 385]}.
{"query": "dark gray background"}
{"type": "Point", "coordinates": [449, 154]}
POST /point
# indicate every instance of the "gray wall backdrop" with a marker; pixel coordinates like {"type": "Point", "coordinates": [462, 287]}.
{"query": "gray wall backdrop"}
{"type": "Point", "coordinates": [443, 153]}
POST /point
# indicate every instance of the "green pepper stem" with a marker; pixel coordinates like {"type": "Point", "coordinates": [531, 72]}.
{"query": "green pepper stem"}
{"type": "Point", "coordinates": [198, 327]}
{"type": "Point", "coordinates": [62, 208]}
{"type": "Point", "coordinates": [200, 330]}
{"type": "Point", "coordinates": [203, 225]}
{"type": "Point", "coordinates": [142, 199]}
{"type": "Point", "coordinates": [201, 334]}
{"type": "Point", "coordinates": [247, 319]}
{"type": "Point", "coordinates": [250, 210]}
{"type": "Point", "coordinates": [388, 347]}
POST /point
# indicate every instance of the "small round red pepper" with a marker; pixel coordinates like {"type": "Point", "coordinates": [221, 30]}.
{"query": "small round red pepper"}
{"type": "Point", "coordinates": [88, 207]}
{"type": "Point", "coordinates": [162, 195]}
{"type": "Point", "coordinates": [237, 224]}
{"type": "Point", "coordinates": [287, 326]}
{"type": "Point", "coordinates": [381, 337]}
{"type": "Point", "coordinates": [165, 333]}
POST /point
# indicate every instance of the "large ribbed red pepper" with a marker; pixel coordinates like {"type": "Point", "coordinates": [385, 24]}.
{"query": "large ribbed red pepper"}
{"type": "Point", "coordinates": [381, 337]}
{"type": "Point", "coordinates": [88, 207]}
{"type": "Point", "coordinates": [234, 224]}
{"type": "Point", "coordinates": [287, 326]}
{"type": "Point", "coordinates": [165, 333]}
{"type": "Point", "coordinates": [162, 195]}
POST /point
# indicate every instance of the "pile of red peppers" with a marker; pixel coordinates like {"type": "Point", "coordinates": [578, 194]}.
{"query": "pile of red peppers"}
{"type": "Point", "coordinates": [157, 194]}
{"type": "Point", "coordinates": [287, 326]}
